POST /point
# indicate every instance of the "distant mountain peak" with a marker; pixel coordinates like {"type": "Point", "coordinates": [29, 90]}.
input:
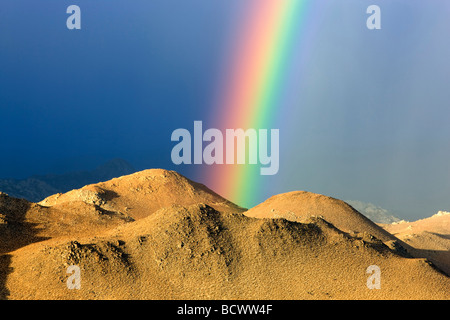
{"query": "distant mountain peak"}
{"type": "Point", "coordinates": [37, 188]}
{"type": "Point", "coordinates": [441, 213]}
{"type": "Point", "coordinates": [373, 212]}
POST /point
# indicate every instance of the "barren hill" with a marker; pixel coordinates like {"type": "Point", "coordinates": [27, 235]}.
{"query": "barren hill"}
{"type": "Point", "coordinates": [302, 205]}
{"type": "Point", "coordinates": [196, 252]}
{"type": "Point", "coordinates": [157, 235]}
{"type": "Point", "coordinates": [98, 207]}
{"type": "Point", "coordinates": [142, 193]}
{"type": "Point", "coordinates": [23, 222]}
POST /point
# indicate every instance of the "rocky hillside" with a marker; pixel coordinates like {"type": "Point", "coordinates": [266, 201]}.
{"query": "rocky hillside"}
{"type": "Point", "coordinates": [155, 234]}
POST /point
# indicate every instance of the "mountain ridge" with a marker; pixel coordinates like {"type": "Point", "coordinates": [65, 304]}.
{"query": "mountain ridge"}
{"type": "Point", "coordinates": [37, 187]}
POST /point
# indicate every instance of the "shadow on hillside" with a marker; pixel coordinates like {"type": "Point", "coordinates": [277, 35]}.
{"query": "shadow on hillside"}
{"type": "Point", "coordinates": [109, 195]}
{"type": "Point", "coordinates": [440, 259]}
{"type": "Point", "coordinates": [443, 236]}
{"type": "Point", "coordinates": [15, 233]}
{"type": "Point", "coordinates": [5, 270]}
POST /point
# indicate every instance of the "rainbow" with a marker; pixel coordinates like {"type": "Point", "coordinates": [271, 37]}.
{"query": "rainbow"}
{"type": "Point", "coordinates": [263, 47]}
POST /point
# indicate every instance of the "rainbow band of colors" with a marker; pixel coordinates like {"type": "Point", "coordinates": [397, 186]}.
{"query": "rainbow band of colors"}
{"type": "Point", "coordinates": [264, 48]}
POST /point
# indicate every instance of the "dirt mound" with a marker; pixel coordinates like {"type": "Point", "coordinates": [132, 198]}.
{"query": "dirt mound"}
{"type": "Point", "coordinates": [140, 194]}
{"type": "Point", "coordinates": [98, 207]}
{"type": "Point", "coordinates": [23, 222]}
{"type": "Point", "coordinates": [301, 205]}
{"type": "Point", "coordinates": [196, 252]}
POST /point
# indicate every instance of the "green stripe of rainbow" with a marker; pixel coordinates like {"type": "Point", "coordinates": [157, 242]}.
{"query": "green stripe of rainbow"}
{"type": "Point", "coordinates": [253, 88]}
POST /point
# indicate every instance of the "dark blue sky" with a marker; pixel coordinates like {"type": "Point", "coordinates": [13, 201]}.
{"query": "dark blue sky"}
{"type": "Point", "coordinates": [116, 88]}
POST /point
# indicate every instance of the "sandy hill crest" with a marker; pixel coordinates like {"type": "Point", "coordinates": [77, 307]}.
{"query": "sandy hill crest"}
{"type": "Point", "coordinates": [302, 205]}
{"type": "Point", "coordinates": [140, 194]}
